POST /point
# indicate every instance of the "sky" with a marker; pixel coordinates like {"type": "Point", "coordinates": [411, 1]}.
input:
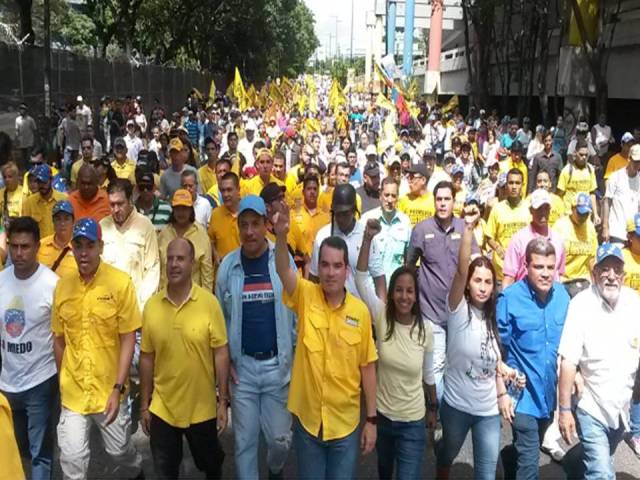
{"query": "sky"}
{"type": "Point", "coordinates": [325, 12]}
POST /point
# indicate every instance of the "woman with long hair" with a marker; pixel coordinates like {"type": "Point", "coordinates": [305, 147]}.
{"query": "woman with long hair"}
{"type": "Point", "coordinates": [405, 360]}
{"type": "Point", "coordinates": [473, 381]}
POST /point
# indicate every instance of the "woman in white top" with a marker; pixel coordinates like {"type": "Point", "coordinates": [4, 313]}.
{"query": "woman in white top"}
{"type": "Point", "coordinates": [405, 358]}
{"type": "Point", "coordinates": [471, 379]}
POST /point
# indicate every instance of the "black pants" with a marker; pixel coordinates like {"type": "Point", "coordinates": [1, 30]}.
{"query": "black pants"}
{"type": "Point", "coordinates": [166, 448]}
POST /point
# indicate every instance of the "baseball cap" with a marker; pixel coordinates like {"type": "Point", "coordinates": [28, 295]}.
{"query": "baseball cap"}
{"type": "Point", "coordinates": [627, 137]}
{"type": "Point", "coordinates": [457, 169]}
{"type": "Point", "coordinates": [582, 203]}
{"type": "Point", "coordinates": [176, 144]}
{"type": "Point", "coordinates": [371, 169]}
{"type": "Point", "coordinates": [251, 125]}
{"type": "Point", "coordinates": [633, 225]}
{"type": "Point", "coordinates": [419, 168]}
{"type": "Point", "coordinates": [41, 172]}
{"type": "Point", "coordinates": [87, 228]}
{"type": "Point", "coordinates": [253, 203]}
{"type": "Point", "coordinates": [404, 131]}
{"type": "Point", "coordinates": [272, 192]}
{"type": "Point", "coordinates": [62, 206]}
{"type": "Point", "coordinates": [472, 197]}
{"type": "Point", "coordinates": [634, 153]}
{"type": "Point", "coordinates": [371, 150]}
{"type": "Point", "coordinates": [608, 250]}
{"type": "Point", "coordinates": [119, 142]}
{"type": "Point", "coordinates": [182, 198]}
{"type": "Point", "coordinates": [539, 197]}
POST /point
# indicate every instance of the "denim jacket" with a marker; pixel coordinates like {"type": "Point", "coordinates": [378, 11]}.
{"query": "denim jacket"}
{"type": "Point", "coordinates": [229, 285]}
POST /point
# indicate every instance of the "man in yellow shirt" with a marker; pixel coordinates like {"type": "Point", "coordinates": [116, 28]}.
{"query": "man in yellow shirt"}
{"type": "Point", "coordinates": [264, 165]}
{"type": "Point", "coordinates": [207, 172]}
{"type": "Point", "coordinates": [12, 194]}
{"type": "Point", "coordinates": [506, 218]}
{"type": "Point", "coordinates": [418, 204]}
{"type": "Point", "coordinates": [86, 150]}
{"type": "Point", "coordinates": [620, 160]}
{"type": "Point", "coordinates": [517, 160]}
{"type": "Point", "coordinates": [580, 244]}
{"type": "Point", "coordinates": [223, 226]}
{"type": "Point", "coordinates": [39, 206]}
{"type": "Point", "coordinates": [94, 319]}
{"type": "Point", "coordinates": [631, 254]}
{"type": "Point", "coordinates": [309, 217]}
{"type": "Point", "coordinates": [9, 453]}
{"type": "Point", "coordinates": [184, 351]}
{"type": "Point", "coordinates": [578, 177]}
{"type": "Point", "coordinates": [122, 165]}
{"type": "Point", "coordinates": [334, 363]}
{"type": "Point", "coordinates": [55, 250]}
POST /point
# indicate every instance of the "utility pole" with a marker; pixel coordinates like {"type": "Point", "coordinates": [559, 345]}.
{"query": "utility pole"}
{"type": "Point", "coordinates": [337, 20]}
{"type": "Point", "coordinates": [47, 66]}
{"type": "Point", "coordinates": [351, 42]}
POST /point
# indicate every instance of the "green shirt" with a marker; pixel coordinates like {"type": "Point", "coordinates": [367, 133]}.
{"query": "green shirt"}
{"type": "Point", "coordinates": [159, 213]}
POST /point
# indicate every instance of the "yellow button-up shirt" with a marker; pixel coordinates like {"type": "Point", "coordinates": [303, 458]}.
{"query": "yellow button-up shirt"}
{"type": "Point", "coordinates": [254, 185]}
{"type": "Point", "coordinates": [133, 248]}
{"type": "Point", "coordinates": [182, 338]}
{"type": "Point", "coordinates": [309, 224]}
{"type": "Point", "coordinates": [202, 273]}
{"type": "Point", "coordinates": [91, 317]}
{"type": "Point", "coordinates": [49, 252]}
{"type": "Point", "coordinates": [223, 231]}
{"type": "Point", "coordinates": [40, 209]}
{"type": "Point", "coordinates": [124, 170]}
{"type": "Point", "coordinates": [333, 343]}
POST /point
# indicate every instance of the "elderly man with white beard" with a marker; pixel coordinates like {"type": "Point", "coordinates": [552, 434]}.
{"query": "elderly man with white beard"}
{"type": "Point", "coordinates": [601, 337]}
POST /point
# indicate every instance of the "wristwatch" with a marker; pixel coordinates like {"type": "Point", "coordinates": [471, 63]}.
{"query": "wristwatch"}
{"type": "Point", "coordinates": [120, 387]}
{"type": "Point", "coordinates": [372, 420]}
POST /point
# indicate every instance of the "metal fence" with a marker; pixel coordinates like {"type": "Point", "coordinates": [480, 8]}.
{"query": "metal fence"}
{"type": "Point", "coordinates": [22, 80]}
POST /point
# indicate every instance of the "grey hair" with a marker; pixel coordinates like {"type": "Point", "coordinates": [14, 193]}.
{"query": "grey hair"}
{"type": "Point", "coordinates": [539, 246]}
{"type": "Point", "coordinates": [189, 173]}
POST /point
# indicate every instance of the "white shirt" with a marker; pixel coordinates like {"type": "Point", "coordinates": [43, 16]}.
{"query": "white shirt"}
{"type": "Point", "coordinates": [134, 145]}
{"type": "Point", "coordinates": [602, 138]}
{"type": "Point", "coordinates": [25, 333]}
{"type": "Point", "coordinates": [624, 193]}
{"type": "Point", "coordinates": [202, 209]}
{"type": "Point", "coordinates": [354, 241]}
{"type": "Point", "coordinates": [472, 357]}
{"type": "Point", "coordinates": [245, 147]}
{"type": "Point", "coordinates": [605, 344]}
{"type": "Point", "coordinates": [84, 117]}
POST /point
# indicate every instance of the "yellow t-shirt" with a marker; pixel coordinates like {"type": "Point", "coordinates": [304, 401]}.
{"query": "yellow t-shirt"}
{"type": "Point", "coordinates": [295, 239]}
{"type": "Point", "coordinates": [40, 209]}
{"type": "Point", "coordinates": [333, 343]}
{"type": "Point", "coordinates": [631, 269]}
{"type": "Point", "coordinates": [417, 208]}
{"type": "Point", "coordinates": [557, 208]}
{"type": "Point", "coordinates": [309, 224]}
{"type": "Point", "coordinates": [91, 317]}
{"type": "Point", "coordinates": [325, 198]}
{"type": "Point", "coordinates": [49, 252]}
{"type": "Point", "coordinates": [125, 170]}
{"type": "Point", "coordinates": [207, 177]}
{"type": "Point", "coordinates": [615, 163]}
{"type": "Point", "coordinates": [580, 245]}
{"type": "Point", "coordinates": [75, 168]}
{"type": "Point", "coordinates": [254, 185]}
{"type": "Point", "coordinates": [183, 337]}
{"type": "Point", "coordinates": [9, 453]}
{"type": "Point", "coordinates": [458, 202]}
{"type": "Point", "coordinates": [573, 180]}
{"type": "Point", "coordinates": [522, 166]}
{"type": "Point", "coordinates": [504, 221]}
{"type": "Point", "coordinates": [14, 201]}
{"type": "Point", "coordinates": [223, 231]}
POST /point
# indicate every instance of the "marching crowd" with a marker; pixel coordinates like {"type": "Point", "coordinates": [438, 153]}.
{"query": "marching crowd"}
{"type": "Point", "coordinates": [328, 284]}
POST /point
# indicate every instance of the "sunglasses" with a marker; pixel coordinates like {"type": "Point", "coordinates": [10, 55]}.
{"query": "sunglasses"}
{"type": "Point", "coordinates": [145, 187]}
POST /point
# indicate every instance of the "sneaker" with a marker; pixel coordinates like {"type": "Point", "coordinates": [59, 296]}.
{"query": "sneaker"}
{"type": "Point", "coordinates": [633, 442]}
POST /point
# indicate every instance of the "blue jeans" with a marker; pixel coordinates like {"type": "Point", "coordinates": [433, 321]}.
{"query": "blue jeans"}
{"type": "Point", "coordinates": [259, 404]}
{"type": "Point", "coordinates": [599, 443]}
{"type": "Point", "coordinates": [439, 357]}
{"type": "Point", "coordinates": [635, 419]}
{"type": "Point", "coordinates": [34, 412]}
{"type": "Point", "coordinates": [485, 435]}
{"type": "Point", "coordinates": [528, 432]}
{"type": "Point", "coordinates": [402, 444]}
{"type": "Point", "coordinates": [325, 459]}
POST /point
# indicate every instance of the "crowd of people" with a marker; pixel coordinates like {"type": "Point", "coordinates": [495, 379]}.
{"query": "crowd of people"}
{"type": "Point", "coordinates": [322, 282]}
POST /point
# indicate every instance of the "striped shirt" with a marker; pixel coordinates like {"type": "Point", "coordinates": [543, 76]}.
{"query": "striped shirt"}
{"type": "Point", "coordinates": [159, 213]}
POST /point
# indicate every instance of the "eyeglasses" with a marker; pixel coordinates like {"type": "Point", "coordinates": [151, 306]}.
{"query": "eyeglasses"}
{"type": "Point", "coordinates": [618, 270]}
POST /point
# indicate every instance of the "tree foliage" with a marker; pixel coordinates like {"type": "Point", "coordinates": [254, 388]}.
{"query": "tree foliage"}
{"type": "Point", "coordinates": [262, 37]}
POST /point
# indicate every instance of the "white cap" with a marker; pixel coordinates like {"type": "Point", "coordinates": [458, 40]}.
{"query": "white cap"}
{"type": "Point", "coordinates": [79, 98]}
{"type": "Point", "coordinates": [490, 162]}
{"type": "Point", "coordinates": [539, 197]}
{"type": "Point", "coordinates": [371, 150]}
{"type": "Point", "coordinates": [634, 153]}
{"type": "Point", "coordinates": [251, 125]}
{"type": "Point", "coordinates": [626, 138]}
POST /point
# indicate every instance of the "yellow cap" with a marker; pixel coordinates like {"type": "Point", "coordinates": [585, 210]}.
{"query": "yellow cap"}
{"type": "Point", "coordinates": [182, 198]}
{"type": "Point", "coordinates": [175, 144]}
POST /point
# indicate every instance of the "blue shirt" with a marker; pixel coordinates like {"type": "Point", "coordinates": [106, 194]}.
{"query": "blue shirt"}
{"type": "Point", "coordinates": [258, 307]}
{"type": "Point", "coordinates": [530, 333]}
{"type": "Point", "coordinates": [193, 131]}
{"type": "Point", "coordinates": [507, 140]}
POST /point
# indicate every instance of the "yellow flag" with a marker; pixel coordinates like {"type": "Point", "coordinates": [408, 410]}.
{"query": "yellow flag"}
{"type": "Point", "coordinates": [312, 92]}
{"type": "Point", "coordinates": [252, 96]}
{"type": "Point", "coordinates": [384, 102]}
{"type": "Point", "coordinates": [451, 104]}
{"type": "Point", "coordinates": [239, 92]}
{"type": "Point", "coordinates": [312, 125]}
{"type": "Point", "coordinates": [336, 95]}
{"type": "Point", "coordinates": [389, 134]}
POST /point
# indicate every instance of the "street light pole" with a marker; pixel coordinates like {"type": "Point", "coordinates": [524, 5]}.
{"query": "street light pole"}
{"type": "Point", "coordinates": [47, 65]}
{"type": "Point", "coordinates": [351, 42]}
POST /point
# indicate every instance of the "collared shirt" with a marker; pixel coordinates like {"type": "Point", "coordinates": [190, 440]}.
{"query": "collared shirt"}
{"type": "Point", "coordinates": [514, 258]}
{"type": "Point", "coordinates": [202, 209]}
{"type": "Point", "coordinates": [124, 170]}
{"type": "Point", "coordinates": [439, 250]}
{"type": "Point", "coordinates": [40, 209]}
{"type": "Point", "coordinates": [254, 185]}
{"type": "Point", "coordinates": [417, 208]}
{"type": "Point", "coordinates": [605, 344]}
{"type": "Point", "coordinates": [202, 273]}
{"type": "Point", "coordinates": [504, 221]}
{"type": "Point", "coordinates": [96, 208]}
{"type": "Point", "coordinates": [353, 239]}
{"type": "Point", "coordinates": [333, 344]}
{"type": "Point", "coordinates": [182, 338]}
{"type": "Point", "coordinates": [49, 252]}
{"type": "Point", "coordinates": [551, 162]}
{"type": "Point", "coordinates": [580, 245]}
{"type": "Point", "coordinates": [310, 224]}
{"type": "Point", "coordinates": [530, 334]}
{"type": "Point", "coordinates": [133, 248]}
{"type": "Point", "coordinates": [393, 238]}
{"type": "Point", "coordinates": [207, 177]}
{"type": "Point", "coordinates": [223, 231]}
{"type": "Point", "coordinates": [91, 317]}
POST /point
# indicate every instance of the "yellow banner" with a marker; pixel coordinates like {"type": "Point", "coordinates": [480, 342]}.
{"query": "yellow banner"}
{"type": "Point", "coordinates": [589, 11]}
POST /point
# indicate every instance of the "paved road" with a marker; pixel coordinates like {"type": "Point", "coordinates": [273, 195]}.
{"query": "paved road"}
{"type": "Point", "coordinates": [627, 465]}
